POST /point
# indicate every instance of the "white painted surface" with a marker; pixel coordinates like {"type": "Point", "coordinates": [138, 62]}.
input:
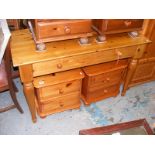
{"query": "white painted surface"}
{"type": "Point", "coordinates": [4, 37]}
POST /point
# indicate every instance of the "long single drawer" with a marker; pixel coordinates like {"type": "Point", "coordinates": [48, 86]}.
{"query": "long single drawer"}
{"type": "Point", "coordinates": [100, 56]}
{"type": "Point", "coordinates": [63, 27]}
{"type": "Point", "coordinates": [59, 104]}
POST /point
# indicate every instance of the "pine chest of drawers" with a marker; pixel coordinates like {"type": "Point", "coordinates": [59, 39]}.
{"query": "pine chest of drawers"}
{"type": "Point", "coordinates": [58, 92]}
{"type": "Point", "coordinates": [61, 29]}
{"type": "Point", "coordinates": [102, 80]}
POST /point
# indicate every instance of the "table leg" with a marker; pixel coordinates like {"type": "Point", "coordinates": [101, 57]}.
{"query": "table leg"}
{"type": "Point", "coordinates": [130, 73]}
{"type": "Point", "coordinates": [29, 94]}
{"type": "Point", "coordinates": [26, 75]}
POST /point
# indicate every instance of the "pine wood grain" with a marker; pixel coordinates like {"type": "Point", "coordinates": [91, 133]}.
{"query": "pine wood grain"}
{"type": "Point", "coordinates": [24, 51]}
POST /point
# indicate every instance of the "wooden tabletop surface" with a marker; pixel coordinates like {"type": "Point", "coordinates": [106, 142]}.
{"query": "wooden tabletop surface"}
{"type": "Point", "coordinates": [24, 51]}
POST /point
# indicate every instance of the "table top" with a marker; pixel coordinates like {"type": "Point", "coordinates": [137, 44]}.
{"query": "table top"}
{"type": "Point", "coordinates": [24, 51]}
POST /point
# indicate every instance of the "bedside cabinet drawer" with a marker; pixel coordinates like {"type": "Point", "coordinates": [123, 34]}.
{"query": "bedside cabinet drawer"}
{"type": "Point", "coordinates": [46, 93]}
{"type": "Point", "coordinates": [107, 79]}
{"type": "Point", "coordinates": [101, 93]}
{"type": "Point", "coordinates": [59, 104]}
{"type": "Point", "coordinates": [63, 27]}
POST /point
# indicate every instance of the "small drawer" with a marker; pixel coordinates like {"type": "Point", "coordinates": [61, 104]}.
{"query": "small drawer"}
{"type": "Point", "coordinates": [106, 79]}
{"type": "Point", "coordinates": [101, 93]}
{"type": "Point", "coordinates": [63, 27]}
{"type": "Point", "coordinates": [123, 24]}
{"type": "Point", "coordinates": [59, 104]}
{"type": "Point", "coordinates": [48, 92]}
{"type": "Point", "coordinates": [109, 26]}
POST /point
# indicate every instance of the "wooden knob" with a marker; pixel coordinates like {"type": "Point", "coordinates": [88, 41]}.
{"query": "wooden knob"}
{"type": "Point", "coordinates": [61, 91]}
{"type": "Point", "coordinates": [105, 91]}
{"type": "Point", "coordinates": [61, 104]}
{"type": "Point", "coordinates": [59, 66]}
{"type": "Point", "coordinates": [118, 53]}
{"type": "Point", "coordinates": [67, 29]}
{"type": "Point", "coordinates": [108, 79]}
{"type": "Point", "coordinates": [138, 49]}
{"type": "Point", "coordinates": [127, 23]}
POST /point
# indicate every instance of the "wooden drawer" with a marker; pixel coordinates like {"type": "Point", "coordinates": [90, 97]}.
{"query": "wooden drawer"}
{"type": "Point", "coordinates": [77, 61]}
{"type": "Point", "coordinates": [46, 93]}
{"type": "Point", "coordinates": [52, 28]}
{"type": "Point", "coordinates": [100, 94]}
{"type": "Point", "coordinates": [59, 104]}
{"type": "Point", "coordinates": [104, 81]}
{"type": "Point", "coordinates": [58, 84]}
{"type": "Point", "coordinates": [118, 25]}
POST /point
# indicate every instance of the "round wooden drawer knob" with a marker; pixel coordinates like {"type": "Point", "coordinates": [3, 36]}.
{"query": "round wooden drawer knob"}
{"type": "Point", "coordinates": [67, 29]}
{"type": "Point", "coordinates": [108, 79]}
{"type": "Point", "coordinates": [127, 23]}
{"type": "Point", "coordinates": [138, 49]}
{"type": "Point", "coordinates": [59, 66]}
{"type": "Point", "coordinates": [61, 91]}
{"type": "Point", "coordinates": [61, 104]}
{"type": "Point", "coordinates": [105, 91]}
{"type": "Point", "coordinates": [118, 53]}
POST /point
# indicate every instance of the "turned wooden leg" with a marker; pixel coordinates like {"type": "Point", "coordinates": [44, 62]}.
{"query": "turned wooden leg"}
{"type": "Point", "coordinates": [130, 73]}
{"type": "Point", "coordinates": [29, 94]}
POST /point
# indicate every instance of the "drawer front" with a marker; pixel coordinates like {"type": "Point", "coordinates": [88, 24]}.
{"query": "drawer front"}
{"type": "Point", "coordinates": [106, 79]}
{"type": "Point", "coordinates": [63, 27]}
{"type": "Point", "coordinates": [122, 24]}
{"type": "Point", "coordinates": [72, 62]}
{"type": "Point", "coordinates": [46, 93]}
{"type": "Point", "coordinates": [59, 104]}
{"type": "Point", "coordinates": [102, 93]}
